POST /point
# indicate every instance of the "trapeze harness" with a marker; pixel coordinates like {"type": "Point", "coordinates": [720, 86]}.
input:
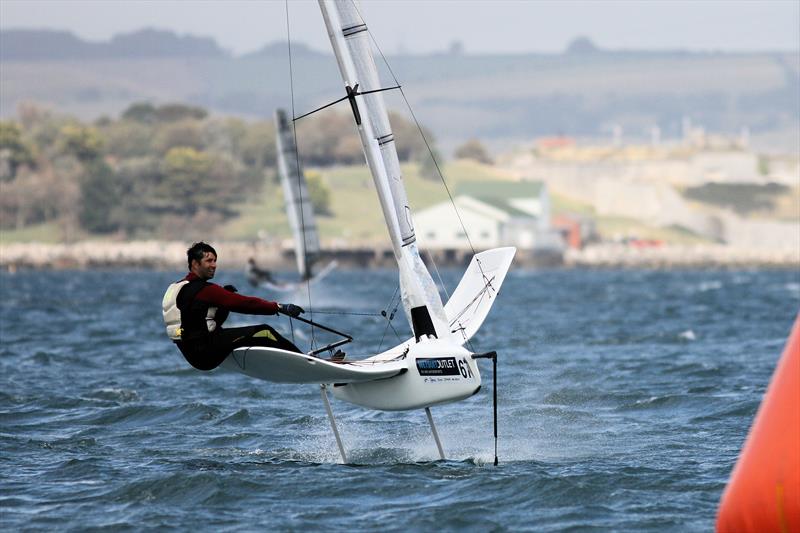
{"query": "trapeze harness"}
{"type": "Point", "coordinates": [195, 327]}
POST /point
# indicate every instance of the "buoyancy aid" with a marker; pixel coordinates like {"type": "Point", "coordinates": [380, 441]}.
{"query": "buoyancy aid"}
{"type": "Point", "coordinates": [185, 317]}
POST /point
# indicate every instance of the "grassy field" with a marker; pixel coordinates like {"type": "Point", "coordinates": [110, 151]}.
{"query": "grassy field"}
{"type": "Point", "coordinates": [787, 206]}
{"type": "Point", "coordinates": [622, 227]}
{"type": "Point", "coordinates": [46, 233]}
{"type": "Point", "coordinates": [356, 214]}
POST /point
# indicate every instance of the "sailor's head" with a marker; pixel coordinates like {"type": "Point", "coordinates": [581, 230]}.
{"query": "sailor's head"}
{"type": "Point", "coordinates": [202, 260]}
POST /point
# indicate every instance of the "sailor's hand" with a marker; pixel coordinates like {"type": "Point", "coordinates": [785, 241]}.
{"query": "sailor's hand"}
{"type": "Point", "coordinates": [290, 310]}
{"type": "Point", "coordinates": [230, 288]}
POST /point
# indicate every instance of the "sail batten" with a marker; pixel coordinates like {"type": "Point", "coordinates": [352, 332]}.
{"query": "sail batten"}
{"type": "Point", "coordinates": [351, 46]}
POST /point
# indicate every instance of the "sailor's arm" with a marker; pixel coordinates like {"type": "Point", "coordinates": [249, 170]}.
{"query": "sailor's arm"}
{"type": "Point", "coordinates": [250, 305]}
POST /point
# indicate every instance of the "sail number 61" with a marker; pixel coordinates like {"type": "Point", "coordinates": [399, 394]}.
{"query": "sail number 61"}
{"type": "Point", "coordinates": [463, 366]}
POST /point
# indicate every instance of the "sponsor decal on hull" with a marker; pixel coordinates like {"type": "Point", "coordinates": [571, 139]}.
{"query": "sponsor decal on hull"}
{"type": "Point", "coordinates": [443, 366]}
{"type": "Point", "coordinates": [438, 366]}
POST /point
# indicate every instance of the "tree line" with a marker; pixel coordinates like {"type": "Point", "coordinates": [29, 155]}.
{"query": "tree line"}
{"type": "Point", "coordinates": [158, 171]}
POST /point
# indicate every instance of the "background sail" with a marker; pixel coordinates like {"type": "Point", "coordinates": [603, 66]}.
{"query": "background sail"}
{"type": "Point", "coordinates": [298, 202]}
{"type": "Point", "coordinates": [358, 67]}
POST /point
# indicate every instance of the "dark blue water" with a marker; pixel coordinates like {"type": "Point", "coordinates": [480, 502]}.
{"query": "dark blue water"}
{"type": "Point", "coordinates": [624, 399]}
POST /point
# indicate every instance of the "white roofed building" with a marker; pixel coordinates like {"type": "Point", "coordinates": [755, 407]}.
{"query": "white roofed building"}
{"type": "Point", "coordinates": [494, 214]}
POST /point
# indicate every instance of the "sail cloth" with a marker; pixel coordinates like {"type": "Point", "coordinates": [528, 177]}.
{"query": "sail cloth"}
{"type": "Point", "coordinates": [357, 38]}
{"type": "Point", "coordinates": [298, 202]}
{"type": "Point", "coordinates": [353, 50]}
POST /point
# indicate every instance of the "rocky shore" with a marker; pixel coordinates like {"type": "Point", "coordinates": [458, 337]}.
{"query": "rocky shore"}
{"type": "Point", "coordinates": [167, 255]}
{"type": "Point", "coordinates": [170, 255]}
{"type": "Point", "coordinates": [683, 256]}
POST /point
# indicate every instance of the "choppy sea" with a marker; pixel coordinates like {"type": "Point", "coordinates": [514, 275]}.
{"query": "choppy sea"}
{"type": "Point", "coordinates": [624, 398]}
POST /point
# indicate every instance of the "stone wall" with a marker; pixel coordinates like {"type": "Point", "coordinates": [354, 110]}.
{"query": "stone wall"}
{"type": "Point", "coordinates": [172, 256]}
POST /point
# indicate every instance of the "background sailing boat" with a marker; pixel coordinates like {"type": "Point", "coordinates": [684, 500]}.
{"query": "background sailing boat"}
{"type": "Point", "coordinates": [300, 213]}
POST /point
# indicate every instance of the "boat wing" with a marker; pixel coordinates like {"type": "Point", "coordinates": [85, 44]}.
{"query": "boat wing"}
{"type": "Point", "coordinates": [476, 292]}
{"type": "Point", "coordinates": [321, 273]}
{"type": "Point", "coordinates": [281, 366]}
{"type": "Point", "coordinates": [294, 286]}
{"type": "Point", "coordinates": [472, 300]}
{"type": "Point", "coordinates": [280, 287]}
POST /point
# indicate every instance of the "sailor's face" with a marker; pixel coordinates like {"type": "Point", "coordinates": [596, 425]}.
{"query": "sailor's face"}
{"type": "Point", "coordinates": [207, 266]}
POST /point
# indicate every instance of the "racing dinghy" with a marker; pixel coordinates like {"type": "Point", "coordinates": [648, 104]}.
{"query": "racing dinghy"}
{"type": "Point", "coordinates": [300, 213]}
{"type": "Point", "coordinates": [432, 367]}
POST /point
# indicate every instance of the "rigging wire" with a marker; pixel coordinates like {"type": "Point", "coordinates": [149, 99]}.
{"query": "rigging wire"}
{"type": "Point", "coordinates": [444, 287]}
{"type": "Point", "coordinates": [392, 298]}
{"type": "Point", "coordinates": [386, 329]}
{"type": "Point", "coordinates": [389, 317]}
{"type": "Point", "coordinates": [345, 313]}
{"type": "Point", "coordinates": [441, 282]}
{"type": "Point", "coordinates": [299, 181]}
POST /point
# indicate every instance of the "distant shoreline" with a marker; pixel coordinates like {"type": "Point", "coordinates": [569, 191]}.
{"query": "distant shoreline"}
{"type": "Point", "coordinates": [170, 255]}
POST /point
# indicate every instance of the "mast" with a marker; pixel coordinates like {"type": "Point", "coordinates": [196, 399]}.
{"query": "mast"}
{"type": "Point", "coordinates": [371, 152]}
{"type": "Point", "coordinates": [299, 208]}
{"type": "Point", "coordinates": [351, 46]}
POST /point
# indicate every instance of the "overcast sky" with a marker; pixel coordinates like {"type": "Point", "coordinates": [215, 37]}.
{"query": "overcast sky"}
{"type": "Point", "coordinates": [420, 26]}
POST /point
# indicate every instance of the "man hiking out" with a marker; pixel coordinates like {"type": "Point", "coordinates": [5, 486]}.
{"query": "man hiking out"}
{"type": "Point", "coordinates": [194, 311]}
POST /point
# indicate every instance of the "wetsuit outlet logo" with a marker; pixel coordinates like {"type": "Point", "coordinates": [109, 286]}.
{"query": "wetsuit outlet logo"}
{"type": "Point", "coordinates": [439, 366]}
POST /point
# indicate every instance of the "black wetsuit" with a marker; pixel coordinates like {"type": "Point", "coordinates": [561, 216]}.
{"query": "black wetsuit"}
{"type": "Point", "coordinates": [205, 350]}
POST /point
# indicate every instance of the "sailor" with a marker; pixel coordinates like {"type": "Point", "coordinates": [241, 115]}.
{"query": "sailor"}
{"type": "Point", "coordinates": [256, 275]}
{"type": "Point", "coordinates": [194, 311]}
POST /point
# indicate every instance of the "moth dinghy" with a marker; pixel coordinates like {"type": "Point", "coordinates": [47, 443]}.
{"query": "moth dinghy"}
{"type": "Point", "coordinates": [302, 219]}
{"type": "Point", "coordinates": [433, 367]}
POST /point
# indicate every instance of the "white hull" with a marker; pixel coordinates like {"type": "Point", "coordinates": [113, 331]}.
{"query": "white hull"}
{"type": "Point", "coordinates": [437, 372]}
{"type": "Point", "coordinates": [411, 375]}
{"type": "Point", "coordinates": [281, 366]}
{"type": "Point", "coordinates": [430, 372]}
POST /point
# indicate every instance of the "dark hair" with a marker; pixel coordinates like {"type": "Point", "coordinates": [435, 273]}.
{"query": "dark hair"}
{"type": "Point", "coordinates": [198, 251]}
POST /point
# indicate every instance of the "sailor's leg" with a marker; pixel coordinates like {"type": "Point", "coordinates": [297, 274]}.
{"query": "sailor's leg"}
{"type": "Point", "coordinates": [261, 335]}
{"type": "Point", "coordinates": [324, 392]}
{"type": "Point", "coordinates": [278, 340]}
{"type": "Point", "coordinates": [435, 433]}
{"type": "Point", "coordinates": [208, 353]}
{"type": "Point", "coordinates": [202, 356]}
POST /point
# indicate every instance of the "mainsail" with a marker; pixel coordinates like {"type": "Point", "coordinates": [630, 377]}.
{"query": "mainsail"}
{"type": "Point", "coordinates": [298, 202]}
{"type": "Point", "coordinates": [351, 45]}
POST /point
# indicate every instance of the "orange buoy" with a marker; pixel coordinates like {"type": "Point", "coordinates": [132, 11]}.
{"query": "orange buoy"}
{"type": "Point", "coordinates": [763, 493]}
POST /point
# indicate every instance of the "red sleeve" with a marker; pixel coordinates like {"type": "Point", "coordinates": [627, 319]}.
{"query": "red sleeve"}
{"type": "Point", "coordinates": [250, 305]}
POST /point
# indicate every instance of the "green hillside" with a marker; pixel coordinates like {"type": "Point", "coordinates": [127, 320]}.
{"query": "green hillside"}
{"type": "Point", "coordinates": [356, 212]}
{"type": "Point", "coordinates": [458, 96]}
{"type": "Point", "coordinates": [356, 217]}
